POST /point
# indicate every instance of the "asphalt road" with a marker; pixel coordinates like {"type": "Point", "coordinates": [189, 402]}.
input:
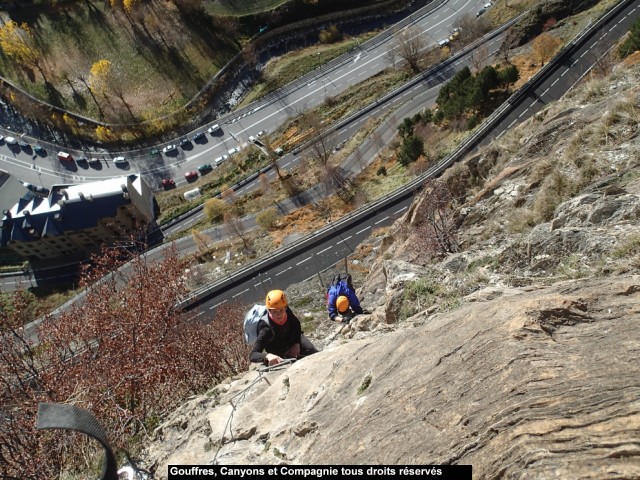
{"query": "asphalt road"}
{"type": "Point", "coordinates": [265, 115]}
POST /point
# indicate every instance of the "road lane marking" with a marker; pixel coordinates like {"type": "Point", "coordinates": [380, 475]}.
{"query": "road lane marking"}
{"type": "Point", "coordinates": [344, 239]}
{"type": "Point", "coordinates": [238, 294]}
{"type": "Point", "coordinates": [380, 221]}
{"type": "Point", "coordinates": [217, 304]}
{"type": "Point", "coordinates": [322, 251]}
{"type": "Point", "coordinates": [302, 261]}
{"type": "Point", "coordinates": [363, 230]}
{"type": "Point", "coordinates": [398, 211]}
{"type": "Point", "coordinates": [283, 271]}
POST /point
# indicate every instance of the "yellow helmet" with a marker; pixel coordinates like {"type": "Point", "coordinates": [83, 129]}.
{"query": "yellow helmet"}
{"type": "Point", "coordinates": [342, 304]}
{"type": "Point", "coordinates": [276, 299]}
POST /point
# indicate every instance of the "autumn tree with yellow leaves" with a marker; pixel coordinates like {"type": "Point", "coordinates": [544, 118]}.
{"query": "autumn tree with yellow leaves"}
{"type": "Point", "coordinates": [544, 47]}
{"type": "Point", "coordinates": [17, 42]}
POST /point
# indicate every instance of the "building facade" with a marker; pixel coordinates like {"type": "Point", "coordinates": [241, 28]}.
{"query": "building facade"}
{"type": "Point", "coordinates": [73, 221]}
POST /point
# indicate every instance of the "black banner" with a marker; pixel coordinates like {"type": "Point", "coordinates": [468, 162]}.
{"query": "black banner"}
{"type": "Point", "coordinates": [233, 472]}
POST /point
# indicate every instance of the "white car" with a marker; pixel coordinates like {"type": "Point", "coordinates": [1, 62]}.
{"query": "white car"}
{"type": "Point", "coordinates": [11, 141]}
{"type": "Point", "coordinates": [252, 138]}
{"type": "Point", "coordinates": [119, 160]}
{"type": "Point", "coordinates": [487, 5]}
{"type": "Point", "coordinates": [233, 150]}
{"type": "Point", "coordinates": [214, 128]}
{"type": "Point", "coordinates": [169, 148]}
{"type": "Point", "coordinates": [260, 133]}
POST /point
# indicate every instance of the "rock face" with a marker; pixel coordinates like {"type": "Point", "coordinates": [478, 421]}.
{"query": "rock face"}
{"type": "Point", "coordinates": [517, 354]}
{"type": "Point", "coordinates": [542, 384]}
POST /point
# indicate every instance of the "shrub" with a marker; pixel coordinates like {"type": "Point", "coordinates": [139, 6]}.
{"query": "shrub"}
{"type": "Point", "coordinates": [267, 219]}
{"type": "Point", "coordinates": [412, 147]}
{"type": "Point", "coordinates": [214, 208]}
{"type": "Point", "coordinates": [382, 171]}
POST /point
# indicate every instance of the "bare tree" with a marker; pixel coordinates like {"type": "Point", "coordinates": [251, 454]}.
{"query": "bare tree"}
{"type": "Point", "coordinates": [126, 352]}
{"type": "Point", "coordinates": [479, 57]}
{"type": "Point", "coordinates": [433, 227]}
{"type": "Point", "coordinates": [409, 44]}
{"type": "Point", "coordinates": [509, 42]}
{"type": "Point", "coordinates": [235, 228]}
{"type": "Point", "coordinates": [471, 28]}
{"type": "Point", "coordinates": [544, 47]}
{"type": "Point", "coordinates": [323, 142]}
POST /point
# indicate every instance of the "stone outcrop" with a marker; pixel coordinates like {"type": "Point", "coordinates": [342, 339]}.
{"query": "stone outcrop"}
{"type": "Point", "coordinates": [542, 383]}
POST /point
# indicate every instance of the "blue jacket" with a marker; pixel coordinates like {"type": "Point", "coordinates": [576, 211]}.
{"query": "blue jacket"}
{"type": "Point", "coordinates": [334, 293]}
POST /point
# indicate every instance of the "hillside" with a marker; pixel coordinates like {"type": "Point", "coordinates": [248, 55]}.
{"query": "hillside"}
{"type": "Point", "coordinates": [517, 354]}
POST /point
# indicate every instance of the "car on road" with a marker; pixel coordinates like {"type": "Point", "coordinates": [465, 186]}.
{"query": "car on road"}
{"type": "Point", "coordinates": [82, 159]}
{"type": "Point", "coordinates": [185, 142]}
{"type": "Point", "coordinates": [11, 141]}
{"type": "Point", "coordinates": [39, 150]}
{"type": "Point", "coordinates": [94, 161]}
{"type": "Point", "coordinates": [65, 157]}
{"type": "Point", "coordinates": [190, 176]}
{"type": "Point", "coordinates": [480, 12]}
{"type": "Point", "coordinates": [444, 42]}
{"type": "Point", "coordinates": [168, 182]}
{"type": "Point", "coordinates": [221, 159]}
{"type": "Point", "coordinates": [1, 138]}
{"type": "Point", "coordinates": [279, 151]}
{"type": "Point", "coordinates": [487, 5]}
{"type": "Point", "coordinates": [169, 148]}
{"type": "Point", "coordinates": [197, 136]}
{"type": "Point", "coordinates": [260, 133]}
{"type": "Point", "coordinates": [154, 152]}
{"type": "Point", "coordinates": [205, 167]}
{"type": "Point", "coordinates": [24, 145]}
{"type": "Point", "coordinates": [232, 150]}
{"type": "Point", "coordinates": [214, 128]}
{"type": "Point", "coordinates": [119, 160]}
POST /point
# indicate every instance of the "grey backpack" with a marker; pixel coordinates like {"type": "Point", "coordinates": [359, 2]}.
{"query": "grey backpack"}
{"type": "Point", "coordinates": [251, 319]}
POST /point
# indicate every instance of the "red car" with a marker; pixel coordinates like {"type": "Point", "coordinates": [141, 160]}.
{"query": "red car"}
{"type": "Point", "coordinates": [168, 182]}
{"type": "Point", "coordinates": [191, 175]}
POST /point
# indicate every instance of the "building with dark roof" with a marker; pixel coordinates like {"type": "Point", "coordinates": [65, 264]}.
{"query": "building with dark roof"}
{"type": "Point", "coordinates": [76, 220]}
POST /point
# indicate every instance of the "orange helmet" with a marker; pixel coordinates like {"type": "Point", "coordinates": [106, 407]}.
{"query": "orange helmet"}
{"type": "Point", "coordinates": [276, 299]}
{"type": "Point", "coordinates": [342, 304]}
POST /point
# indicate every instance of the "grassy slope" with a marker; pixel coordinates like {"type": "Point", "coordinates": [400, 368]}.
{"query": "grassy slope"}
{"type": "Point", "coordinates": [160, 61]}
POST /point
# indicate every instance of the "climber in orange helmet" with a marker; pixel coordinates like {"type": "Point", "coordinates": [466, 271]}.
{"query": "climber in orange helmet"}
{"type": "Point", "coordinates": [281, 336]}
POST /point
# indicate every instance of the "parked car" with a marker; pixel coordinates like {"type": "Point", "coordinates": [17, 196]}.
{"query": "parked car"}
{"type": "Point", "coordinates": [94, 161]}
{"type": "Point", "coordinates": [214, 128]}
{"type": "Point", "coordinates": [444, 42]}
{"type": "Point", "coordinates": [221, 159]}
{"type": "Point", "coordinates": [169, 148]}
{"type": "Point", "coordinates": [168, 182]}
{"type": "Point", "coordinates": [260, 133]}
{"type": "Point", "coordinates": [82, 159]}
{"type": "Point", "coordinates": [279, 151]}
{"type": "Point", "coordinates": [24, 145]}
{"type": "Point", "coordinates": [205, 167]}
{"type": "Point", "coordinates": [233, 150]}
{"type": "Point", "coordinates": [10, 140]}
{"type": "Point", "coordinates": [119, 160]}
{"type": "Point", "coordinates": [154, 152]}
{"type": "Point", "coordinates": [191, 175]}
{"type": "Point", "coordinates": [39, 150]}
{"type": "Point", "coordinates": [1, 138]}
{"type": "Point", "coordinates": [197, 136]}
{"type": "Point", "coordinates": [487, 5]}
{"type": "Point", "coordinates": [184, 142]}
{"type": "Point", "coordinates": [480, 12]}
{"type": "Point", "coordinates": [65, 157]}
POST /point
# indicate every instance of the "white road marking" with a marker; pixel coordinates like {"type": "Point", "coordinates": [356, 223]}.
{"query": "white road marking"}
{"type": "Point", "coordinates": [302, 261]}
{"type": "Point", "coordinates": [238, 294]}
{"type": "Point", "coordinates": [402, 209]}
{"type": "Point", "coordinates": [363, 230]}
{"type": "Point", "coordinates": [322, 251]}
{"type": "Point", "coordinates": [382, 220]}
{"type": "Point", "coordinates": [344, 239]}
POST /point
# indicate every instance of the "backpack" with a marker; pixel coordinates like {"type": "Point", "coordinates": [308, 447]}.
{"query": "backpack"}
{"type": "Point", "coordinates": [339, 284]}
{"type": "Point", "coordinates": [251, 319]}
